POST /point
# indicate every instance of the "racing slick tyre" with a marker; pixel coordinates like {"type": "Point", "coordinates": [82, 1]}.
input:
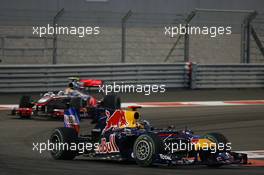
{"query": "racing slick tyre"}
{"type": "Point", "coordinates": [216, 138]}
{"type": "Point", "coordinates": [25, 102]}
{"type": "Point", "coordinates": [64, 136]}
{"type": "Point", "coordinates": [13, 112]}
{"type": "Point", "coordinates": [112, 102]}
{"type": "Point", "coordinates": [146, 149]}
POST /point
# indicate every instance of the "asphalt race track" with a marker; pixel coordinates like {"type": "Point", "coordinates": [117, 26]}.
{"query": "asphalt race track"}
{"type": "Point", "coordinates": [243, 125]}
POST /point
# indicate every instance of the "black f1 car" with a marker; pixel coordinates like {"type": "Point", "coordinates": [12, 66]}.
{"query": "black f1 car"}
{"type": "Point", "coordinates": [122, 135]}
{"type": "Point", "coordinates": [53, 104]}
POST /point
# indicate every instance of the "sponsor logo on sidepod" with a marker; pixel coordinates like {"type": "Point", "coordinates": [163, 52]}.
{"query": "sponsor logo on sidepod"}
{"type": "Point", "coordinates": [107, 147]}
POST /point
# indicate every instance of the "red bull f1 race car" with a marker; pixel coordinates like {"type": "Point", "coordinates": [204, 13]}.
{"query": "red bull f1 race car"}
{"type": "Point", "coordinates": [123, 136]}
{"type": "Point", "coordinates": [53, 104]}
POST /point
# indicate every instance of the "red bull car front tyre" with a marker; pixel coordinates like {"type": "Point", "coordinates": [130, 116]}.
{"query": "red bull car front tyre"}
{"type": "Point", "coordinates": [145, 149]}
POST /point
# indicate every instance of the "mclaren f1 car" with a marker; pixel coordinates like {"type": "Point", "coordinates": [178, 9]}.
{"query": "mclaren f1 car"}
{"type": "Point", "coordinates": [54, 104]}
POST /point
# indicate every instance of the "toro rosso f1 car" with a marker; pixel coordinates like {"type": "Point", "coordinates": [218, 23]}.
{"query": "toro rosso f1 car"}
{"type": "Point", "coordinates": [122, 135]}
{"type": "Point", "coordinates": [53, 105]}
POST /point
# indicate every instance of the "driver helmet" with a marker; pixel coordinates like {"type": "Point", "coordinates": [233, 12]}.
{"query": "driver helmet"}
{"type": "Point", "coordinates": [70, 85]}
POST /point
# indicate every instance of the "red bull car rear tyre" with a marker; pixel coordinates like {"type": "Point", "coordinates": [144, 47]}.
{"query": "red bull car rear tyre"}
{"type": "Point", "coordinates": [59, 138]}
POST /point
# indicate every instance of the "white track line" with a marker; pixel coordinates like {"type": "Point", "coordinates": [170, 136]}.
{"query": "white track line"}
{"type": "Point", "coordinates": [253, 154]}
{"type": "Point", "coordinates": [173, 104]}
{"type": "Point", "coordinates": [7, 107]}
{"type": "Point", "coordinates": [195, 103]}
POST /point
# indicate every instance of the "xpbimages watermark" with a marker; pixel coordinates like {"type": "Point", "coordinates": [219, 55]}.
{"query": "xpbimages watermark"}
{"type": "Point", "coordinates": [212, 31]}
{"type": "Point", "coordinates": [49, 146]}
{"type": "Point", "coordinates": [80, 31]}
{"type": "Point", "coordinates": [103, 147]}
{"type": "Point", "coordinates": [173, 147]}
{"type": "Point", "coordinates": [131, 88]}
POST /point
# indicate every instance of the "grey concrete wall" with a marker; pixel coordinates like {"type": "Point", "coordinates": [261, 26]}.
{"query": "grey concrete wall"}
{"type": "Point", "coordinates": [144, 45]}
{"type": "Point", "coordinates": [102, 48]}
{"type": "Point", "coordinates": [156, 6]}
{"type": "Point", "coordinates": [147, 45]}
{"type": "Point", "coordinates": [255, 54]}
{"type": "Point", "coordinates": [22, 48]}
{"type": "Point", "coordinates": [223, 49]}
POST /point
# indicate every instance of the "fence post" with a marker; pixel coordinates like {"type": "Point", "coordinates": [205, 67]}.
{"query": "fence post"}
{"type": "Point", "coordinates": [186, 39]}
{"type": "Point", "coordinates": [193, 76]}
{"type": "Point", "coordinates": [186, 47]}
{"type": "Point", "coordinates": [55, 20]}
{"type": "Point", "coordinates": [242, 44]}
{"type": "Point", "coordinates": [248, 42]}
{"type": "Point", "coordinates": [3, 46]}
{"type": "Point", "coordinates": [123, 44]}
{"type": "Point", "coordinates": [245, 38]}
